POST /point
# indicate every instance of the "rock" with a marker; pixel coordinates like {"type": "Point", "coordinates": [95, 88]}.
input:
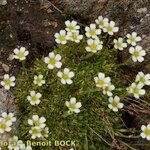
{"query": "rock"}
{"type": "Point", "coordinates": [11, 57]}
{"type": "Point", "coordinates": [3, 2]}
{"type": "Point", "coordinates": [5, 67]}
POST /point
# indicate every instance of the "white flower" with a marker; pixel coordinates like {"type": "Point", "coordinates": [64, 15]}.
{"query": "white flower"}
{"type": "Point", "coordinates": [136, 90]}
{"type": "Point", "coordinates": [61, 37]}
{"type": "Point", "coordinates": [145, 132]}
{"type": "Point", "coordinates": [8, 81]}
{"type": "Point", "coordinates": [143, 79]}
{"type": "Point", "coordinates": [102, 22]}
{"type": "Point", "coordinates": [101, 80]}
{"type": "Point", "coordinates": [137, 53]}
{"type": "Point", "coordinates": [119, 44]}
{"type": "Point", "coordinates": [28, 147]}
{"type": "Point", "coordinates": [108, 89]}
{"type": "Point", "coordinates": [37, 121]}
{"type": "Point", "coordinates": [5, 126]}
{"type": "Point", "coordinates": [110, 28]}
{"type": "Point", "coordinates": [39, 80]}
{"type": "Point", "coordinates": [71, 26]}
{"type": "Point", "coordinates": [92, 32]}
{"type": "Point", "coordinates": [115, 103]}
{"type": "Point", "coordinates": [53, 60]}
{"type": "Point", "coordinates": [8, 117]}
{"type": "Point", "coordinates": [133, 38]}
{"type": "Point", "coordinates": [73, 106]}
{"type": "Point", "coordinates": [35, 132]}
{"type": "Point", "coordinates": [34, 98]}
{"type": "Point", "coordinates": [45, 132]}
{"type": "Point", "coordinates": [75, 36]}
{"type": "Point", "coordinates": [15, 144]}
{"type": "Point", "coordinates": [66, 76]}
{"type": "Point", "coordinates": [94, 45]}
{"type": "Point", "coordinates": [20, 53]}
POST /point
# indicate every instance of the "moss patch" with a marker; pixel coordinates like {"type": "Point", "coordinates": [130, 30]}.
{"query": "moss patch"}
{"type": "Point", "coordinates": [95, 126]}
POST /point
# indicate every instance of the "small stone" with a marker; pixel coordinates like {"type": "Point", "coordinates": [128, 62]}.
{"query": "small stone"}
{"type": "Point", "coordinates": [5, 67]}
{"type": "Point", "coordinates": [3, 2]}
{"type": "Point", "coordinates": [142, 10]}
{"type": "Point", "coordinates": [11, 57]}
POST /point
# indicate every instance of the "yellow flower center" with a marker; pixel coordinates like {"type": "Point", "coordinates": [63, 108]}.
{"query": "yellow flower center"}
{"type": "Point", "coordinates": [36, 123]}
{"type": "Point", "coordinates": [106, 88]}
{"type": "Point", "coordinates": [72, 106]}
{"type": "Point", "coordinates": [136, 90]}
{"type": "Point", "coordinates": [136, 53]}
{"type": "Point", "coordinates": [110, 29]}
{"type": "Point", "coordinates": [3, 126]}
{"type": "Point", "coordinates": [74, 36]}
{"type": "Point", "coordinates": [7, 81]}
{"type": "Point", "coordinates": [132, 39]}
{"type": "Point", "coordinates": [119, 44]}
{"type": "Point", "coordinates": [147, 132]}
{"type": "Point", "coordinates": [62, 37]}
{"type": "Point", "coordinates": [52, 61]}
{"type": "Point", "coordinates": [93, 46]}
{"type": "Point", "coordinates": [38, 80]}
{"type": "Point", "coordinates": [65, 76]}
{"type": "Point", "coordinates": [35, 131]}
{"type": "Point", "coordinates": [92, 32]}
{"type": "Point", "coordinates": [34, 98]}
{"type": "Point", "coordinates": [20, 54]}
{"type": "Point", "coordinates": [7, 118]}
{"type": "Point", "coordinates": [71, 28]}
{"type": "Point", "coordinates": [142, 79]}
{"type": "Point", "coordinates": [101, 82]}
{"type": "Point", "coordinates": [101, 23]}
{"type": "Point", "coordinates": [114, 104]}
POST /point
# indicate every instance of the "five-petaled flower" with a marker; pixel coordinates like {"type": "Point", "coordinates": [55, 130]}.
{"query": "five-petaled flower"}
{"type": "Point", "coordinates": [61, 37]}
{"type": "Point", "coordinates": [115, 103]}
{"type": "Point", "coordinates": [110, 28]}
{"type": "Point", "coordinates": [20, 53]}
{"type": "Point", "coordinates": [45, 132]}
{"type": "Point", "coordinates": [39, 80]}
{"type": "Point", "coordinates": [142, 78]}
{"type": "Point", "coordinates": [107, 90]}
{"type": "Point", "coordinates": [102, 22]}
{"type": "Point", "coordinates": [5, 126]}
{"type": "Point", "coordinates": [37, 121]}
{"type": "Point", "coordinates": [8, 81]}
{"type": "Point", "coordinates": [101, 80]}
{"type": "Point", "coordinates": [119, 44]}
{"type": "Point", "coordinates": [137, 53]}
{"type": "Point", "coordinates": [136, 90]}
{"type": "Point", "coordinates": [53, 60]}
{"type": "Point", "coordinates": [35, 132]}
{"type": "Point", "coordinates": [34, 98]}
{"type": "Point", "coordinates": [71, 26]}
{"type": "Point", "coordinates": [92, 32]}
{"type": "Point", "coordinates": [73, 106]}
{"type": "Point", "coordinates": [145, 132]}
{"type": "Point", "coordinates": [75, 36]}
{"type": "Point", "coordinates": [8, 117]}
{"type": "Point", "coordinates": [66, 76]}
{"type": "Point", "coordinates": [133, 38]}
{"type": "Point", "coordinates": [94, 45]}
{"type": "Point", "coordinates": [15, 144]}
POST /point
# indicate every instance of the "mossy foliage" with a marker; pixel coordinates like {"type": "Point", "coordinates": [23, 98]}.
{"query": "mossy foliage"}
{"type": "Point", "coordinates": [96, 125]}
